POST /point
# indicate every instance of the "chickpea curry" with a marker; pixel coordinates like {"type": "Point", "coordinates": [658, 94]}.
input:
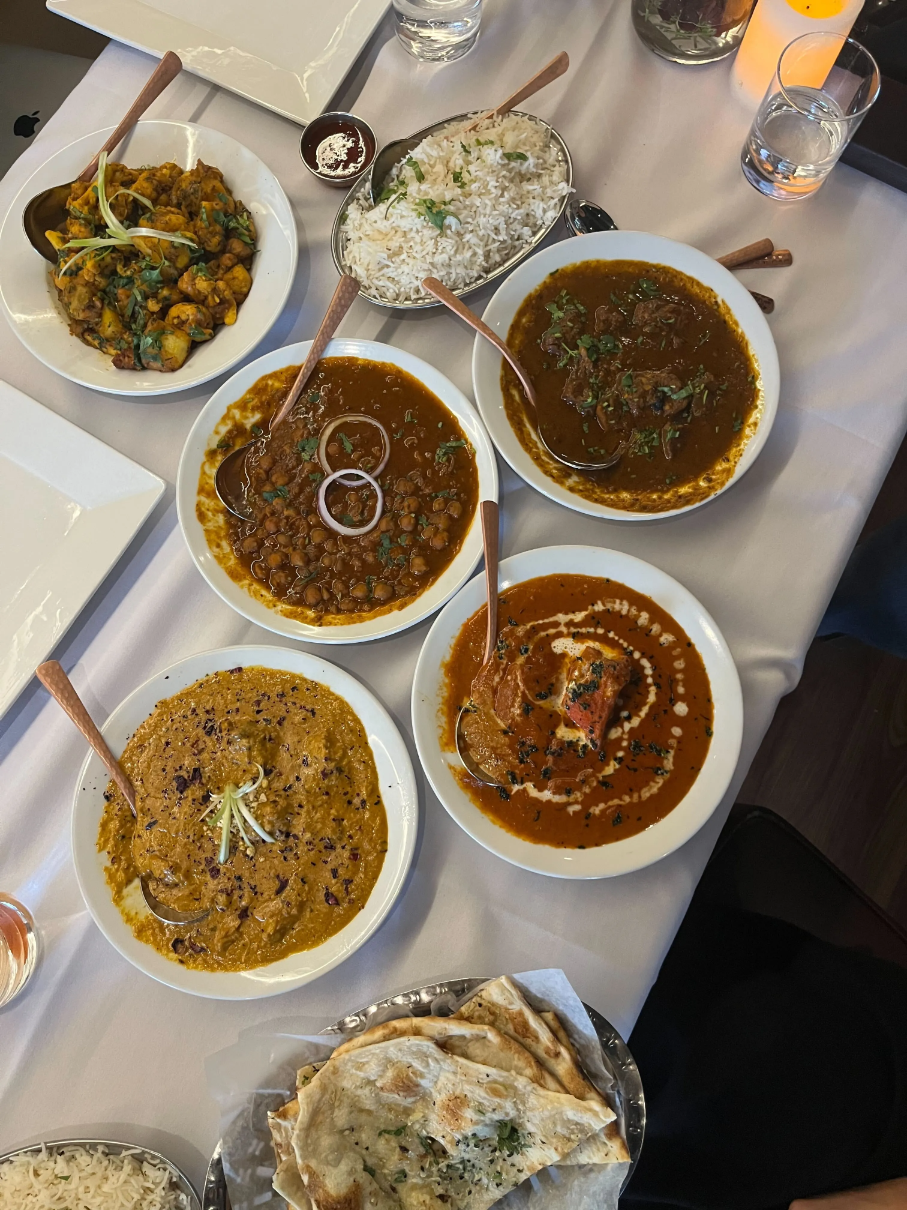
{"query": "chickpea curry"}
{"type": "Point", "coordinates": [638, 365]}
{"type": "Point", "coordinates": [156, 266]}
{"type": "Point", "coordinates": [361, 498]}
{"type": "Point", "coordinates": [594, 716]}
{"type": "Point", "coordinates": [257, 797]}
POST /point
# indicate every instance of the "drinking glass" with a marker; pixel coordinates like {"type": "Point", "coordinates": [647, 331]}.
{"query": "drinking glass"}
{"type": "Point", "coordinates": [18, 947]}
{"type": "Point", "coordinates": [823, 87]}
{"type": "Point", "coordinates": [691, 31]}
{"type": "Point", "coordinates": [438, 31]}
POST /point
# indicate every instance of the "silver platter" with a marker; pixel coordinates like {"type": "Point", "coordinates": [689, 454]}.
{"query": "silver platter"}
{"type": "Point", "coordinates": [182, 1181]}
{"type": "Point", "coordinates": [365, 183]}
{"type": "Point", "coordinates": [440, 1000]}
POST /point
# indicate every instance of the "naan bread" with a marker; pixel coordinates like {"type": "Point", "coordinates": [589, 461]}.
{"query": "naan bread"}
{"type": "Point", "coordinates": [503, 1005]}
{"type": "Point", "coordinates": [607, 1147]}
{"type": "Point", "coordinates": [404, 1124]}
{"type": "Point", "coordinates": [481, 1043]}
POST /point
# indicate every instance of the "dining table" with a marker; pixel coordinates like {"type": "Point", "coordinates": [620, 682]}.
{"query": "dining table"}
{"type": "Point", "coordinates": [93, 1047]}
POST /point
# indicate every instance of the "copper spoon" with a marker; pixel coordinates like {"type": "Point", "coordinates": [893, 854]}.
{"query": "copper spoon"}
{"type": "Point", "coordinates": [392, 153]}
{"type": "Point", "coordinates": [551, 71]}
{"type": "Point", "coordinates": [47, 210]}
{"type": "Point", "coordinates": [489, 513]}
{"type": "Point", "coordinates": [450, 300]}
{"type": "Point", "coordinates": [231, 481]}
{"type": "Point", "coordinates": [60, 687]}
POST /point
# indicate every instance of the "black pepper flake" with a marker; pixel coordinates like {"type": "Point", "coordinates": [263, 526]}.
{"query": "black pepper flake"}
{"type": "Point", "coordinates": [331, 899]}
{"type": "Point", "coordinates": [233, 671]}
{"type": "Point", "coordinates": [177, 945]}
{"type": "Point", "coordinates": [152, 823]}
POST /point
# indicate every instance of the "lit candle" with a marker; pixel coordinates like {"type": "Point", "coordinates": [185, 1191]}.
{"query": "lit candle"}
{"type": "Point", "coordinates": [773, 25]}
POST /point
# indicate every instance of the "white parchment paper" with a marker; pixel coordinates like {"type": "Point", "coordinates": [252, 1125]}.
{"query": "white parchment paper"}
{"type": "Point", "coordinates": [258, 1075]}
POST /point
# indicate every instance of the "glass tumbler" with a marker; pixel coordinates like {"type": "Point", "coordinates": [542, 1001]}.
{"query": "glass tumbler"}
{"type": "Point", "coordinates": [824, 85]}
{"type": "Point", "coordinates": [691, 31]}
{"type": "Point", "coordinates": [438, 31]}
{"type": "Point", "coordinates": [18, 947]}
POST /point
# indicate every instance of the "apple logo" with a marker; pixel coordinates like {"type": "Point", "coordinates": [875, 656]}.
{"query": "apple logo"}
{"type": "Point", "coordinates": [25, 124]}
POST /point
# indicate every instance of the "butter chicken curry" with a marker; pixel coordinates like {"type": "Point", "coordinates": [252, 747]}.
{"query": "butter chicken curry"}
{"type": "Point", "coordinates": [257, 798]}
{"type": "Point", "coordinates": [637, 363]}
{"type": "Point", "coordinates": [594, 715]}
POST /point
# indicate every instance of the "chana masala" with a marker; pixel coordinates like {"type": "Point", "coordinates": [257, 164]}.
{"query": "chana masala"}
{"type": "Point", "coordinates": [594, 715]}
{"type": "Point", "coordinates": [636, 364]}
{"type": "Point", "coordinates": [362, 497]}
{"type": "Point", "coordinates": [257, 797]}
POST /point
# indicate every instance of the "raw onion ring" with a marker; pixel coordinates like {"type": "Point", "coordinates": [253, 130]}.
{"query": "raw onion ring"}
{"type": "Point", "coordinates": [325, 436]}
{"type": "Point", "coordinates": [325, 515]}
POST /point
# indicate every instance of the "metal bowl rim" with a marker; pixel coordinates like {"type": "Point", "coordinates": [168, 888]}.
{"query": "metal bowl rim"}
{"type": "Point", "coordinates": [365, 180]}
{"type": "Point", "coordinates": [111, 1143]}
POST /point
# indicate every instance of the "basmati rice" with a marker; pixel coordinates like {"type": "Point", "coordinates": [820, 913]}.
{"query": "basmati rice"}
{"type": "Point", "coordinates": [79, 1178]}
{"type": "Point", "coordinates": [458, 207]}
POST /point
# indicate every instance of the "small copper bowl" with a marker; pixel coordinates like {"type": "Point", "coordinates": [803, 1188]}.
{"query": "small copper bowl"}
{"type": "Point", "coordinates": [338, 148]}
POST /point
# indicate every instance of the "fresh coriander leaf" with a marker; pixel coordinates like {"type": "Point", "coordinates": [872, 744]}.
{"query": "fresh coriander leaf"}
{"type": "Point", "coordinates": [515, 155]}
{"type": "Point", "coordinates": [417, 170]}
{"type": "Point", "coordinates": [256, 430]}
{"type": "Point", "coordinates": [346, 443]}
{"type": "Point", "coordinates": [307, 446]}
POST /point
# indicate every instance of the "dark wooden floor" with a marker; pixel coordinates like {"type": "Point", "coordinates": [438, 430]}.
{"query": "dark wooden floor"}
{"type": "Point", "coordinates": [834, 762]}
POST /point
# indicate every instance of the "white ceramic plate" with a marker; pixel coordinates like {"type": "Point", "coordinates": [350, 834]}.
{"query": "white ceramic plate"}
{"type": "Point", "coordinates": [615, 245]}
{"type": "Point", "coordinates": [398, 788]}
{"type": "Point", "coordinates": [291, 57]}
{"type": "Point", "coordinates": [69, 507]}
{"type": "Point", "coordinates": [256, 611]}
{"type": "Point", "coordinates": [622, 856]}
{"type": "Point", "coordinates": [29, 299]}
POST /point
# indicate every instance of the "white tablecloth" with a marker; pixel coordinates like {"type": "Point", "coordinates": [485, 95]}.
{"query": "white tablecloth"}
{"type": "Point", "coordinates": [94, 1047]}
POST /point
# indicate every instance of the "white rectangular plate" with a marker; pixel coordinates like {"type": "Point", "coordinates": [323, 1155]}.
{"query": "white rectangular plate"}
{"type": "Point", "coordinates": [69, 506]}
{"type": "Point", "coordinates": [291, 57]}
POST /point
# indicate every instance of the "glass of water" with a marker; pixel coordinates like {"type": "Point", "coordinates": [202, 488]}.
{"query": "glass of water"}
{"type": "Point", "coordinates": [823, 87]}
{"type": "Point", "coordinates": [438, 31]}
{"type": "Point", "coordinates": [18, 947]}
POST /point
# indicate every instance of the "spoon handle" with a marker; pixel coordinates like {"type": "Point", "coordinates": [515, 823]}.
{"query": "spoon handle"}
{"type": "Point", "coordinates": [762, 247]}
{"type": "Point", "coordinates": [552, 71]}
{"type": "Point", "coordinates": [347, 290]}
{"type": "Point", "coordinates": [167, 70]}
{"type": "Point", "coordinates": [489, 513]}
{"type": "Point", "coordinates": [450, 300]}
{"type": "Point", "coordinates": [61, 688]}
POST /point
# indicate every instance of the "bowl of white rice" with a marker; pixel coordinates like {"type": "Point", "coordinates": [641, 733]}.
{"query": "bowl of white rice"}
{"type": "Point", "coordinates": [463, 206]}
{"type": "Point", "coordinates": [92, 1174]}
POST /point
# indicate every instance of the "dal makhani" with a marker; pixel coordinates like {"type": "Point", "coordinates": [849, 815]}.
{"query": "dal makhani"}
{"type": "Point", "coordinates": [594, 715]}
{"type": "Point", "coordinates": [257, 797]}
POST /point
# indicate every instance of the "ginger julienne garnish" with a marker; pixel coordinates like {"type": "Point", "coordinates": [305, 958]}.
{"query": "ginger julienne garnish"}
{"type": "Point", "coordinates": [230, 811]}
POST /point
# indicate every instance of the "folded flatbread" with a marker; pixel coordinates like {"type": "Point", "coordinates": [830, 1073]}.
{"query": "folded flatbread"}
{"type": "Point", "coordinates": [406, 1123]}
{"type": "Point", "coordinates": [502, 1004]}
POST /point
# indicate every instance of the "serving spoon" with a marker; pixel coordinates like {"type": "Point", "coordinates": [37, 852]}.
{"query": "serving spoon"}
{"type": "Point", "coordinates": [47, 210]}
{"type": "Point", "coordinates": [489, 513]}
{"type": "Point", "coordinates": [459, 308]}
{"type": "Point", "coordinates": [60, 687]}
{"type": "Point", "coordinates": [231, 480]}
{"type": "Point", "coordinates": [391, 153]}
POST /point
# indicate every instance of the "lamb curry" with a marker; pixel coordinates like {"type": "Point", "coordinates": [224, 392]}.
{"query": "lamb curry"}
{"type": "Point", "coordinates": [640, 364]}
{"type": "Point", "coordinates": [595, 714]}
{"type": "Point", "coordinates": [257, 797]}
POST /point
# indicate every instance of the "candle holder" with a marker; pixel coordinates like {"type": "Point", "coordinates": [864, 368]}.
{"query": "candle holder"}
{"type": "Point", "coordinates": [823, 87]}
{"type": "Point", "coordinates": [691, 31]}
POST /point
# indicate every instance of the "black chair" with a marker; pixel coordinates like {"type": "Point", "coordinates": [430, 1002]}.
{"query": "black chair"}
{"type": "Point", "coordinates": [773, 1045]}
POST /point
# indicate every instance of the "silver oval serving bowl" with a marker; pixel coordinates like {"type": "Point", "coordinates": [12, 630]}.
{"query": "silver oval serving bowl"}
{"type": "Point", "coordinates": [438, 999]}
{"type": "Point", "coordinates": [365, 183]}
{"type": "Point", "coordinates": [182, 1181]}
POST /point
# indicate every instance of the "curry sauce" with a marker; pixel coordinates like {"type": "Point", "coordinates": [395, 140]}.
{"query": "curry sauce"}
{"type": "Point", "coordinates": [290, 555]}
{"type": "Point", "coordinates": [640, 364]}
{"type": "Point", "coordinates": [559, 786]}
{"type": "Point", "coordinates": [317, 799]}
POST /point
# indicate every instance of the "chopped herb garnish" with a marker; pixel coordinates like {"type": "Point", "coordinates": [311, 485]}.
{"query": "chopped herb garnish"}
{"type": "Point", "coordinates": [446, 448]}
{"type": "Point", "coordinates": [307, 446]}
{"type": "Point", "coordinates": [515, 155]}
{"type": "Point", "coordinates": [417, 170]}
{"type": "Point", "coordinates": [283, 492]}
